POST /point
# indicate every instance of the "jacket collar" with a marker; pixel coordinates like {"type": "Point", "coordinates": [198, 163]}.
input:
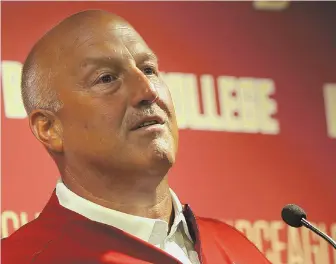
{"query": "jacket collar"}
{"type": "Point", "coordinates": [150, 230]}
{"type": "Point", "coordinates": [193, 228]}
{"type": "Point", "coordinates": [53, 211]}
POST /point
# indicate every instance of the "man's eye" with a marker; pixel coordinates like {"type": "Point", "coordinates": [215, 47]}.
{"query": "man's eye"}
{"type": "Point", "coordinates": [149, 71]}
{"type": "Point", "coordinates": [107, 78]}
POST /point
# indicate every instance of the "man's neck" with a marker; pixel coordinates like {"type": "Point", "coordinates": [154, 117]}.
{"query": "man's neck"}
{"type": "Point", "coordinates": [141, 196]}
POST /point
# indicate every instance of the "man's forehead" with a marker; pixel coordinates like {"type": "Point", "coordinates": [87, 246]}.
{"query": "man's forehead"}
{"type": "Point", "coordinates": [72, 43]}
{"type": "Point", "coordinates": [97, 26]}
{"type": "Point", "coordinates": [123, 42]}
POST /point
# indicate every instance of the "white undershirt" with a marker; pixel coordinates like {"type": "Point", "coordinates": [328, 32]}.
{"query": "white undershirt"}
{"type": "Point", "coordinates": [177, 243]}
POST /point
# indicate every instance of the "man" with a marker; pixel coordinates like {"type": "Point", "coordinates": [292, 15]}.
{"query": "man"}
{"type": "Point", "coordinates": [95, 100]}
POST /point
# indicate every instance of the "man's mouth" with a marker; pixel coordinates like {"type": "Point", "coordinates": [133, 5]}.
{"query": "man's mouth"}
{"type": "Point", "coordinates": [148, 123]}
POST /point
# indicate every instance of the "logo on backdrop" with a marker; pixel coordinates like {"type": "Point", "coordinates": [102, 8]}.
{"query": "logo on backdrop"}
{"type": "Point", "coordinates": [329, 92]}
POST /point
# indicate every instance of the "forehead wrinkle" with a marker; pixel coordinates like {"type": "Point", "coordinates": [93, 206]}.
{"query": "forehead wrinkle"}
{"type": "Point", "coordinates": [105, 51]}
{"type": "Point", "coordinates": [135, 45]}
{"type": "Point", "coordinates": [79, 44]}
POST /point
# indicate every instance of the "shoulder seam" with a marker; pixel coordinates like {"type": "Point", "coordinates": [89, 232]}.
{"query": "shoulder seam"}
{"type": "Point", "coordinates": [46, 245]}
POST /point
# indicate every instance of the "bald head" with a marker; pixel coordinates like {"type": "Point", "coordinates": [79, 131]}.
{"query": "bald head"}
{"type": "Point", "coordinates": [43, 62]}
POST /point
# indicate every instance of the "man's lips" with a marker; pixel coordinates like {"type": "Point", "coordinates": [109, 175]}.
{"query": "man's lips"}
{"type": "Point", "coordinates": [147, 122]}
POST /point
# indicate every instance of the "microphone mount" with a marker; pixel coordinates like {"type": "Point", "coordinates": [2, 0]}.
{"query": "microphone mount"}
{"type": "Point", "coordinates": [318, 232]}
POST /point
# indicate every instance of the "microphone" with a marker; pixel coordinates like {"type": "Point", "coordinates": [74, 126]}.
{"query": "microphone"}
{"type": "Point", "coordinates": [294, 216]}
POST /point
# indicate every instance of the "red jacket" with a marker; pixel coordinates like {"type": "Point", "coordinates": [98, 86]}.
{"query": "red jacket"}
{"type": "Point", "coordinates": [61, 236]}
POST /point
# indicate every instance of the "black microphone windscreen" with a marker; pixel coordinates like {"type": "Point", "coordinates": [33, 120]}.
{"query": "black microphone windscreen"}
{"type": "Point", "coordinates": [292, 215]}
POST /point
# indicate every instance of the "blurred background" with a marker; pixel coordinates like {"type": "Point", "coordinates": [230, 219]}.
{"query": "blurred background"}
{"type": "Point", "coordinates": [254, 86]}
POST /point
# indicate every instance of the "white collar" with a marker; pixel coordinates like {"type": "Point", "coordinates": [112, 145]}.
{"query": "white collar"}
{"type": "Point", "coordinates": [153, 231]}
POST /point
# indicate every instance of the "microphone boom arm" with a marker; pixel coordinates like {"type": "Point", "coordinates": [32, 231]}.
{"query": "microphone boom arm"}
{"type": "Point", "coordinates": [318, 232]}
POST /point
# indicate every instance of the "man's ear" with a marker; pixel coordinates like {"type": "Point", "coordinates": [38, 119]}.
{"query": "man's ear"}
{"type": "Point", "coordinates": [47, 129]}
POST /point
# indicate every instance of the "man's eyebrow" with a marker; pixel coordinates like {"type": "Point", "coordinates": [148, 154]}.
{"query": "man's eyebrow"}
{"type": "Point", "coordinates": [144, 56]}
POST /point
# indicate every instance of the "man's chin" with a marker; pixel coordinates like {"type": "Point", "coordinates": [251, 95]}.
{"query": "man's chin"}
{"type": "Point", "coordinates": [162, 151]}
{"type": "Point", "coordinates": [160, 154]}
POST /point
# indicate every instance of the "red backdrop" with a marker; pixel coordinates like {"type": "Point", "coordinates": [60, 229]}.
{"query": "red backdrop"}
{"type": "Point", "coordinates": [255, 91]}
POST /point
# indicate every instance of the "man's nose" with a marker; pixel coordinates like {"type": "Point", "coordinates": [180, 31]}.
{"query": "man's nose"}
{"type": "Point", "coordinates": [142, 90]}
